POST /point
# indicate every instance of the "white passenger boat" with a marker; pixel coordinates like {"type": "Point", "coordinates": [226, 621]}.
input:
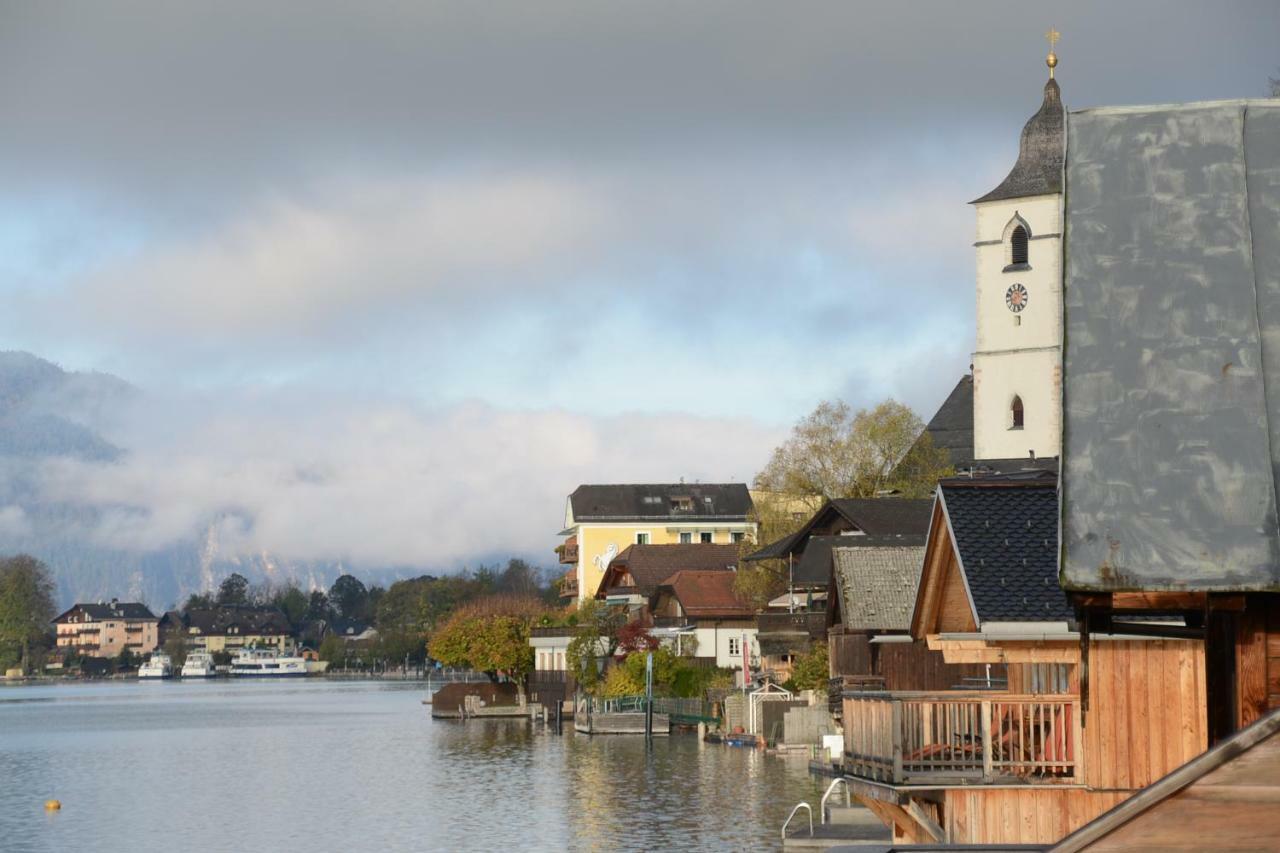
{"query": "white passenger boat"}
{"type": "Point", "coordinates": [199, 665]}
{"type": "Point", "coordinates": [159, 665]}
{"type": "Point", "coordinates": [267, 663]}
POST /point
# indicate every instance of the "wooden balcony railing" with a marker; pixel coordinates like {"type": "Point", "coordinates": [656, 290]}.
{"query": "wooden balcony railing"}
{"type": "Point", "coordinates": [962, 738]}
{"type": "Point", "coordinates": [568, 554]}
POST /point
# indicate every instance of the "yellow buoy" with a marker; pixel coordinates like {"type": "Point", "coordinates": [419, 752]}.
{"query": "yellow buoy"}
{"type": "Point", "coordinates": [52, 805]}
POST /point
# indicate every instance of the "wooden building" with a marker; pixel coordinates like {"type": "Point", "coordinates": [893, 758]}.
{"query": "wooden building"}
{"type": "Point", "coordinates": [1023, 760]}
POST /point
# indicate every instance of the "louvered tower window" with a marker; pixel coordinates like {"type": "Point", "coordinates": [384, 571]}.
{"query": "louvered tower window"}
{"type": "Point", "coordinates": [1018, 243]}
{"type": "Point", "coordinates": [1016, 411]}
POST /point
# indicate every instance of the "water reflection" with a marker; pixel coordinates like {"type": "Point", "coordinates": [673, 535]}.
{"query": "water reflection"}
{"type": "Point", "coordinates": [339, 766]}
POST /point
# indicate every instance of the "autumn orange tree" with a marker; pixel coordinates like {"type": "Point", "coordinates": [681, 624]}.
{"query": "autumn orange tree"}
{"type": "Point", "coordinates": [490, 635]}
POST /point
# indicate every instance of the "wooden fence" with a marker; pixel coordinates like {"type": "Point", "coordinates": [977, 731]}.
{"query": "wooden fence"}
{"type": "Point", "coordinates": [908, 738]}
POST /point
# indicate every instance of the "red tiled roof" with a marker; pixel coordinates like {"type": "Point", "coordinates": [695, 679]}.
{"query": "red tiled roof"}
{"type": "Point", "coordinates": [707, 594]}
{"type": "Point", "coordinates": [650, 565]}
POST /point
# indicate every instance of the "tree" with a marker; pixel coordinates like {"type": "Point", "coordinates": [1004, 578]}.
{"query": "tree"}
{"type": "Point", "coordinates": [292, 602]}
{"type": "Point", "coordinates": [1274, 84]}
{"type": "Point", "coordinates": [811, 670]}
{"type": "Point", "coordinates": [776, 516]}
{"type": "Point", "coordinates": [635, 637]}
{"type": "Point", "coordinates": [198, 601]}
{"type": "Point", "coordinates": [497, 645]}
{"type": "Point", "coordinates": [519, 578]}
{"type": "Point", "coordinates": [349, 597]}
{"type": "Point", "coordinates": [26, 603]}
{"type": "Point", "coordinates": [834, 452]}
{"type": "Point", "coordinates": [317, 607]}
{"type": "Point", "coordinates": [176, 648]}
{"type": "Point", "coordinates": [234, 590]}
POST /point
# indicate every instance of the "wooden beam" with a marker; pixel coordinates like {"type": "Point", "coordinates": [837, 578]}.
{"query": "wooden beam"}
{"type": "Point", "coordinates": [928, 824]}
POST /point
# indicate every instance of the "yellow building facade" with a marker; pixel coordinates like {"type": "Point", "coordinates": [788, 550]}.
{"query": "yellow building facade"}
{"type": "Point", "coordinates": [602, 521]}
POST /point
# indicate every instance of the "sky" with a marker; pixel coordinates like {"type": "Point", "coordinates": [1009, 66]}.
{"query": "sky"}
{"type": "Point", "coordinates": [393, 278]}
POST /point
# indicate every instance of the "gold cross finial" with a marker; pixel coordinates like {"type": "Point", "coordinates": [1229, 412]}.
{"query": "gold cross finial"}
{"type": "Point", "coordinates": [1051, 60]}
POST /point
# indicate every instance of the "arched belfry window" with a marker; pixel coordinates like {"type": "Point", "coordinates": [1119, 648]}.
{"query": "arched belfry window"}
{"type": "Point", "coordinates": [1015, 413]}
{"type": "Point", "coordinates": [1018, 246]}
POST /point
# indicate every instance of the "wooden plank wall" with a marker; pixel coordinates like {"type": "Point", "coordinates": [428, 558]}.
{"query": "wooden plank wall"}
{"type": "Point", "coordinates": [1232, 808]}
{"type": "Point", "coordinates": [1147, 711]}
{"type": "Point", "coordinates": [912, 666]}
{"type": "Point", "coordinates": [848, 654]}
{"type": "Point", "coordinates": [1258, 658]}
{"type": "Point", "coordinates": [1021, 816]}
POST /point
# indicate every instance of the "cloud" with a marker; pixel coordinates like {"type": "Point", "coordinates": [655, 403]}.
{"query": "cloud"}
{"type": "Point", "coordinates": [376, 484]}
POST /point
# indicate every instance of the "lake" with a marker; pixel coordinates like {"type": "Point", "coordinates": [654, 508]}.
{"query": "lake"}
{"type": "Point", "coordinates": [321, 765]}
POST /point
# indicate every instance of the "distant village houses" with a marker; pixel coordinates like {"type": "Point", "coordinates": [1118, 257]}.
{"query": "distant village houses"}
{"type": "Point", "coordinates": [106, 629]}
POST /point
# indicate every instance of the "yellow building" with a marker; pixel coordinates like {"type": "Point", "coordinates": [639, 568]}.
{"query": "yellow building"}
{"type": "Point", "coordinates": [602, 520]}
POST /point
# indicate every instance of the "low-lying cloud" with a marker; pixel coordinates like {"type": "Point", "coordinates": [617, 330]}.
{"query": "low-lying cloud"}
{"type": "Point", "coordinates": [375, 483]}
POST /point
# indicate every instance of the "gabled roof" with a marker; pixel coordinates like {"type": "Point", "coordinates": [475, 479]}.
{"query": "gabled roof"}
{"type": "Point", "coordinates": [640, 502]}
{"type": "Point", "coordinates": [1004, 532]}
{"type": "Point", "coordinates": [881, 518]}
{"type": "Point", "coordinates": [127, 610]}
{"type": "Point", "coordinates": [707, 595]}
{"type": "Point", "coordinates": [1171, 376]}
{"type": "Point", "coordinates": [650, 565]}
{"type": "Point", "coordinates": [877, 586]}
{"type": "Point", "coordinates": [1040, 152]}
{"type": "Point", "coordinates": [247, 620]}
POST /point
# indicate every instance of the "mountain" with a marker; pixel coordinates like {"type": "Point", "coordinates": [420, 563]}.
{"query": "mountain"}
{"type": "Point", "coordinates": [47, 414]}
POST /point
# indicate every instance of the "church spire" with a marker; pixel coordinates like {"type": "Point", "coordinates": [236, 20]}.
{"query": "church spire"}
{"type": "Point", "coordinates": [1040, 153]}
{"type": "Point", "coordinates": [1052, 59]}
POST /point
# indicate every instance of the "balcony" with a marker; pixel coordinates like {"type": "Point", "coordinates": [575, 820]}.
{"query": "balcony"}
{"type": "Point", "coordinates": [673, 622]}
{"type": "Point", "coordinates": [568, 554]}
{"type": "Point", "coordinates": [959, 738]}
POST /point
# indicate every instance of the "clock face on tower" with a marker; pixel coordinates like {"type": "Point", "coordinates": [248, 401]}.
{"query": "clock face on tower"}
{"type": "Point", "coordinates": [1015, 298]}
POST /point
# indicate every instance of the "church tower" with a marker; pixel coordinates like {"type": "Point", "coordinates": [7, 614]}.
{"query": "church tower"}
{"type": "Point", "coordinates": [1017, 366]}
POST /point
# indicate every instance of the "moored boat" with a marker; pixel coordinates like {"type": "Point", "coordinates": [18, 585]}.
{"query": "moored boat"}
{"type": "Point", "coordinates": [159, 665]}
{"type": "Point", "coordinates": [199, 665]}
{"type": "Point", "coordinates": [267, 663]}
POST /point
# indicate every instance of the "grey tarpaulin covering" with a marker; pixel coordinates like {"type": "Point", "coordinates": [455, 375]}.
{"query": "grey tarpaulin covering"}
{"type": "Point", "coordinates": [1171, 357]}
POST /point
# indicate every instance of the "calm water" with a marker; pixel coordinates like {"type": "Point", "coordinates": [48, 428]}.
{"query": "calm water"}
{"type": "Point", "coordinates": [317, 766]}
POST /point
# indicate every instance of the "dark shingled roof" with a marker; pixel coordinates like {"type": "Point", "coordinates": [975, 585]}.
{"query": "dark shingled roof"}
{"type": "Point", "coordinates": [876, 517]}
{"type": "Point", "coordinates": [887, 516]}
{"type": "Point", "coordinates": [1006, 535]}
{"type": "Point", "coordinates": [650, 565]}
{"type": "Point", "coordinates": [724, 501]}
{"type": "Point", "coordinates": [247, 620]}
{"type": "Point", "coordinates": [951, 427]}
{"type": "Point", "coordinates": [111, 610]}
{"type": "Point", "coordinates": [813, 567]}
{"type": "Point", "coordinates": [1040, 153]}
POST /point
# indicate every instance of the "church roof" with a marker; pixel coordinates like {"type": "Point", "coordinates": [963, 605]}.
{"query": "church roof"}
{"type": "Point", "coordinates": [1040, 153]}
{"type": "Point", "coordinates": [1171, 356]}
{"type": "Point", "coordinates": [951, 427]}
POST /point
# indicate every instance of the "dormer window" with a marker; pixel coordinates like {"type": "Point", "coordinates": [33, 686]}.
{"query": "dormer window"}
{"type": "Point", "coordinates": [1015, 413]}
{"type": "Point", "coordinates": [682, 504]}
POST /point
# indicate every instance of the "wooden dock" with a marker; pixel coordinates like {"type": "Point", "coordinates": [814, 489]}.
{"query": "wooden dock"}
{"type": "Point", "coordinates": [620, 723]}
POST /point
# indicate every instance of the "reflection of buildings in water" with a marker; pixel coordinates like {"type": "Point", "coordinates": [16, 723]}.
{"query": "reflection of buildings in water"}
{"type": "Point", "coordinates": [617, 791]}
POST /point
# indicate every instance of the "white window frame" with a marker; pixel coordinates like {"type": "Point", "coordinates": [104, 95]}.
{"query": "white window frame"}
{"type": "Point", "coordinates": [646, 540]}
{"type": "Point", "coordinates": [706, 537]}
